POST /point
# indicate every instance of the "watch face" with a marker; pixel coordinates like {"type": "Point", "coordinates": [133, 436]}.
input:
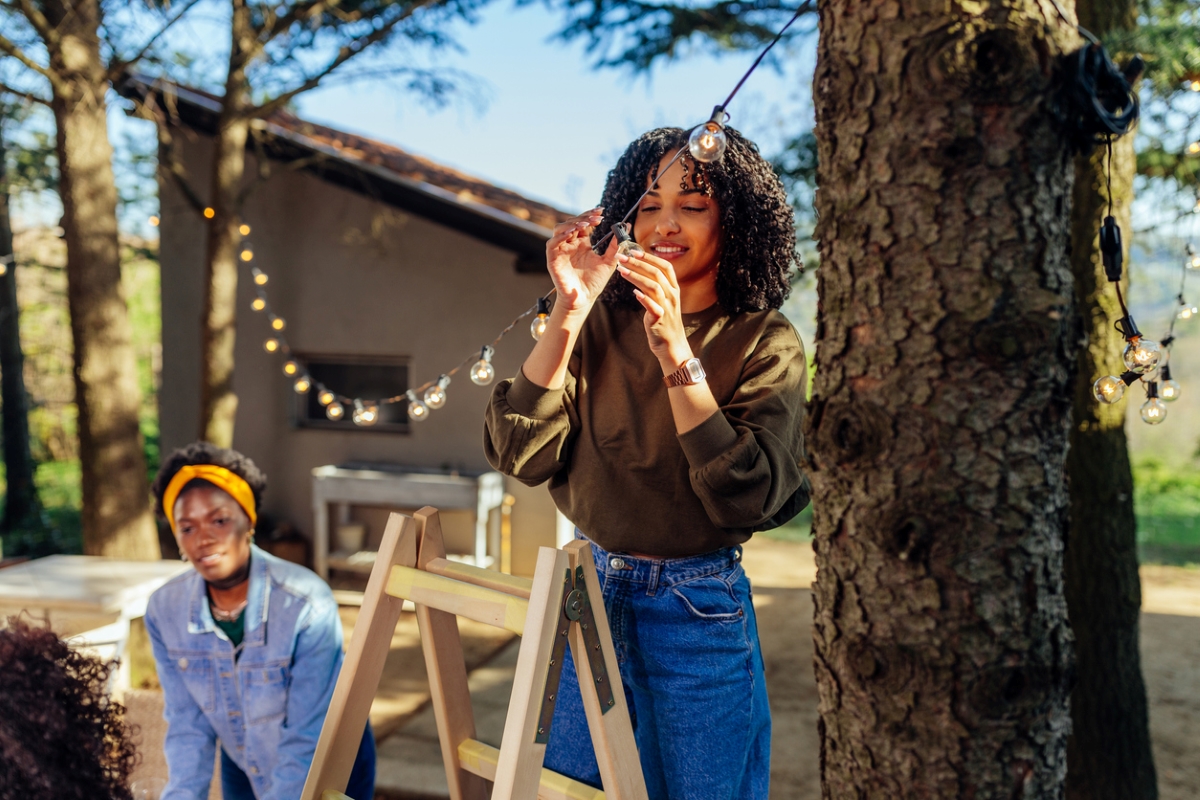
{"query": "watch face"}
{"type": "Point", "coordinates": [695, 372]}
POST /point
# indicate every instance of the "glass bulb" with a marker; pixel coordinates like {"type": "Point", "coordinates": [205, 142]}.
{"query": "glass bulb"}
{"type": "Point", "coordinates": [365, 414]}
{"type": "Point", "coordinates": [277, 323]}
{"type": "Point", "coordinates": [258, 304]}
{"type": "Point", "coordinates": [335, 411]}
{"type": "Point", "coordinates": [260, 277]}
{"type": "Point", "coordinates": [154, 221]}
{"type": "Point", "coordinates": [247, 254]}
{"type": "Point", "coordinates": [290, 367]}
{"type": "Point", "coordinates": [271, 345]}
{"type": "Point", "coordinates": [1154, 411]}
{"type": "Point", "coordinates": [1142, 355]}
{"type": "Point", "coordinates": [483, 372]}
{"type": "Point", "coordinates": [707, 142]}
{"type": "Point", "coordinates": [1169, 391]}
{"type": "Point", "coordinates": [631, 248]}
{"type": "Point", "coordinates": [1187, 312]}
{"type": "Point", "coordinates": [1194, 263]}
{"type": "Point", "coordinates": [417, 411]}
{"type": "Point", "coordinates": [302, 385]}
{"type": "Point", "coordinates": [209, 213]}
{"type": "Point", "coordinates": [435, 397]}
{"type": "Point", "coordinates": [326, 397]}
{"type": "Point", "coordinates": [1108, 389]}
{"type": "Point", "coordinates": [244, 229]}
{"type": "Point", "coordinates": [537, 328]}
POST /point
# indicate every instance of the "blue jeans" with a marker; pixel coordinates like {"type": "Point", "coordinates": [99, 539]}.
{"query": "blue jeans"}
{"type": "Point", "coordinates": [686, 640]}
{"type": "Point", "coordinates": [236, 786]}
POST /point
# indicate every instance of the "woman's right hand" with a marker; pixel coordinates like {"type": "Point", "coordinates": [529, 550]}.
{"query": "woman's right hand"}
{"type": "Point", "coordinates": [578, 273]}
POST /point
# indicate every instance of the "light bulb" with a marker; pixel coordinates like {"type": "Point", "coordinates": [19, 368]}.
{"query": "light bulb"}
{"type": "Point", "coordinates": [1142, 355]}
{"type": "Point", "coordinates": [435, 396]}
{"type": "Point", "coordinates": [537, 328]}
{"type": "Point", "coordinates": [209, 213]}
{"type": "Point", "coordinates": [626, 246]}
{"type": "Point", "coordinates": [247, 254]}
{"type": "Point", "coordinates": [154, 221]}
{"type": "Point", "coordinates": [302, 385]}
{"type": "Point", "coordinates": [271, 345]}
{"type": "Point", "coordinates": [258, 304]}
{"type": "Point", "coordinates": [244, 229]}
{"type": "Point", "coordinates": [326, 397]}
{"type": "Point", "coordinates": [1108, 389]}
{"type": "Point", "coordinates": [1195, 86]}
{"type": "Point", "coordinates": [1187, 312]}
{"type": "Point", "coordinates": [335, 411]}
{"type": "Point", "coordinates": [417, 411]}
{"type": "Point", "coordinates": [708, 141]}
{"type": "Point", "coordinates": [3, 269]}
{"type": "Point", "coordinates": [1154, 411]}
{"type": "Point", "coordinates": [1194, 148]}
{"type": "Point", "coordinates": [1170, 391]}
{"type": "Point", "coordinates": [1194, 262]}
{"type": "Point", "coordinates": [277, 323]}
{"type": "Point", "coordinates": [290, 367]}
{"type": "Point", "coordinates": [483, 372]}
{"type": "Point", "coordinates": [365, 414]}
{"type": "Point", "coordinates": [260, 277]}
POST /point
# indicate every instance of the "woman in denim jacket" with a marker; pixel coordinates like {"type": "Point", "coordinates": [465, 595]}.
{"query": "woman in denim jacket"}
{"type": "Point", "coordinates": [248, 646]}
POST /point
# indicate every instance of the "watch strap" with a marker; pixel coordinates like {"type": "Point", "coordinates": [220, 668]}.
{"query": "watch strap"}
{"type": "Point", "coordinates": [689, 374]}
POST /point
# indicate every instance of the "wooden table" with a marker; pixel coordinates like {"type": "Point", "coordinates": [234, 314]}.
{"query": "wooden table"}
{"type": "Point", "coordinates": [398, 487]}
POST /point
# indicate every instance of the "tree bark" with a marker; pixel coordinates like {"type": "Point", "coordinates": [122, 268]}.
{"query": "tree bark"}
{"type": "Point", "coordinates": [116, 511]}
{"type": "Point", "coordinates": [218, 407]}
{"type": "Point", "coordinates": [21, 506]}
{"type": "Point", "coordinates": [1108, 754]}
{"type": "Point", "coordinates": [941, 402]}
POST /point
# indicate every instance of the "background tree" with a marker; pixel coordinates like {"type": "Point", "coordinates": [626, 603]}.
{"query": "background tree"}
{"type": "Point", "coordinates": [1109, 753]}
{"type": "Point", "coordinates": [69, 59]}
{"type": "Point", "coordinates": [276, 53]}
{"type": "Point", "coordinates": [941, 404]}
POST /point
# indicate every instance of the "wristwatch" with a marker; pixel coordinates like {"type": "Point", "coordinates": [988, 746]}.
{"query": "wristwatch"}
{"type": "Point", "coordinates": [689, 374]}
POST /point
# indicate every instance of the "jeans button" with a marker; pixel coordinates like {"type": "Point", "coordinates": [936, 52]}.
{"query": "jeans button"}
{"type": "Point", "coordinates": [616, 563]}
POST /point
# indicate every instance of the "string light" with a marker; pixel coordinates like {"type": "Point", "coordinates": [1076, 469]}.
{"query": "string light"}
{"type": "Point", "coordinates": [244, 229]}
{"type": "Point", "coordinates": [537, 328]}
{"type": "Point", "coordinates": [334, 411]}
{"type": "Point", "coordinates": [483, 372]}
{"type": "Point", "coordinates": [626, 246]}
{"type": "Point", "coordinates": [365, 414]}
{"type": "Point", "coordinates": [326, 397]}
{"type": "Point", "coordinates": [1169, 392]}
{"type": "Point", "coordinates": [258, 303]}
{"type": "Point", "coordinates": [209, 213]}
{"type": "Point", "coordinates": [247, 253]}
{"type": "Point", "coordinates": [1110, 389]}
{"type": "Point", "coordinates": [271, 345]}
{"type": "Point", "coordinates": [708, 141]}
{"type": "Point", "coordinates": [260, 277]}
{"type": "Point", "coordinates": [302, 385]}
{"type": "Point", "coordinates": [1195, 86]}
{"type": "Point", "coordinates": [417, 411]}
{"type": "Point", "coordinates": [290, 367]}
{"type": "Point", "coordinates": [1154, 410]}
{"type": "Point", "coordinates": [1141, 355]}
{"type": "Point", "coordinates": [277, 323]}
{"type": "Point", "coordinates": [154, 220]}
{"type": "Point", "coordinates": [435, 396]}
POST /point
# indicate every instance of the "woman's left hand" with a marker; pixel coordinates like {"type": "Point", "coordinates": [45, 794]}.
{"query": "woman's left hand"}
{"type": "Point", "coordinates": [657, 289]}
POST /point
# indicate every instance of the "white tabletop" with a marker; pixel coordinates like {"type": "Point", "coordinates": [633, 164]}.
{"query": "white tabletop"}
{"type": "Point", "coordinates": [85, 584]}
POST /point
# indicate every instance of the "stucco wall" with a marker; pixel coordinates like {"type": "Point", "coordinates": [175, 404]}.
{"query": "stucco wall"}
{"type": "Point", "coordinates": [352, 277]}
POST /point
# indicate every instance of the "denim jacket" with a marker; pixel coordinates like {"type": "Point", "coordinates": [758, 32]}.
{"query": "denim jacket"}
{"type": "Point", "coordinates": [267, 705]}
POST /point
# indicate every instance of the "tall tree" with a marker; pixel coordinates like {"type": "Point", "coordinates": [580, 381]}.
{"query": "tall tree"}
{"type": "Point", "coordinates": [941, 403]}
{"type": "Point", "coordinates": [1108, 755]}
{"type": "Point", "coordinates": [270, 44]}
{"type": "Point", "coordinates": [21, 505]}
{"type": "Point", "coordinates": [59, 42]}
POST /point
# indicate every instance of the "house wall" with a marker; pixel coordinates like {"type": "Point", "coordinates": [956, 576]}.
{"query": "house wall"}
{"type": "Point", "coordinates": [351, 276]}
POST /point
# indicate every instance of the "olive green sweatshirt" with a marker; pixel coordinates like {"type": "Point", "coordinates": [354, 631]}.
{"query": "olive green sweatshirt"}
{"type": "Point", "coordinates": [607, 444]}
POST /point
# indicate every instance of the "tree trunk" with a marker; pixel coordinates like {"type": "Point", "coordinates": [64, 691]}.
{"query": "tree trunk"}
{"type": "Point", "coordinates": [1108, 755]}
{"type": "Point", "coordinates": [941, 403]}
{"type": "Point", "coordinates": [21, 506]}
{"type": "Point", "coordinates": [218, 407]}
{"type": "Point", "coordinates": [116, 510]}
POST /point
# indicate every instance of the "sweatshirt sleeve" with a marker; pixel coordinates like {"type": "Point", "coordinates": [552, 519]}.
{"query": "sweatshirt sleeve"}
{"type": "Point", "coordinates": [527, 429]}
{"type": "Point", "coordinates": [744, 460]}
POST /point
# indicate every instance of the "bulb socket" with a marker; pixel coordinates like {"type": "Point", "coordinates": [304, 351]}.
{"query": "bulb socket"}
{"type": "Point", "coordinates": [1130, 377]}
{"type": "Point", "coordinates": [1127, 328]}
{"type": "Point", "coordinates": [1166, 372]}
{"type": "Point", "coordinates": [1152, 390]}
{"type": "Point", "coordinates": [543, 306]}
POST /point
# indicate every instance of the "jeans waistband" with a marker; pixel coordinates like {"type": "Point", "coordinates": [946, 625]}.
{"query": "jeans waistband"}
{"type": "Point", "coordinates": [655, 572]}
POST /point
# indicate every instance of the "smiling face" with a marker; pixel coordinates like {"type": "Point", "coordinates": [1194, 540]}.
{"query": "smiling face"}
{"type": "Point", "coordinates": [214, 532]}
{"type": "Point", "coordinates": [680, 222]}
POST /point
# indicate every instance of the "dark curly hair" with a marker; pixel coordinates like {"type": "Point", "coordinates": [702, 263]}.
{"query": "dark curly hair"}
{"type": "Point", "coordinates": [61, 737]}
{"type": "Point", "coordinates": [760, 230]}
{"type": "Point", "coordinates": [206, 453]}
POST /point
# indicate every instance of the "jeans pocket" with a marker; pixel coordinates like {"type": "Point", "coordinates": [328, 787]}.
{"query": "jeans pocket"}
{"type": "Point", "coordinates": [709, 598]}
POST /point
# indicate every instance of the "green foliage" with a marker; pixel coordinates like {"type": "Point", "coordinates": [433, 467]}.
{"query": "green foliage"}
{"type": "Point", "coordinates": [1167, 502]}
{"type": "Point", "coordinates": [798, 530]}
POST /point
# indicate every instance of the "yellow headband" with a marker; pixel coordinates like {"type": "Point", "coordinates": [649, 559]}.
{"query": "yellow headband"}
{"type": "Point", "coordinates": [232, 484]}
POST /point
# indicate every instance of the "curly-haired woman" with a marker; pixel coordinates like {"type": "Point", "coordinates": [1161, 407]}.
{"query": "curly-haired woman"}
{"type": "Point", "coordinates": [664, 407]}
{"type": "Point", "coordinates": [61, 736]}
{"type": "Point", "coordinates": [248, 646]}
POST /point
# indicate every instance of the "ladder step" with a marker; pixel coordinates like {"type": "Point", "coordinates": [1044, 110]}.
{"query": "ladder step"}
{"type": "Point", "coordinates": [469, 573]}
{"type": "Point", "coordinates": [333, 794]}
{"type": "Point", "coordinates": [463, 599]}
{"type": "Point", "coordinates": [481, 759]}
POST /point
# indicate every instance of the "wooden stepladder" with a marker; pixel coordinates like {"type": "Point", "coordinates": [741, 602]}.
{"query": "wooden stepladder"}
{"type": "Point", "coordinates": [561, 605]}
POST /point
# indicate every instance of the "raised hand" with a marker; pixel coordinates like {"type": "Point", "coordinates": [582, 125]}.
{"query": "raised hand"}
{"type": "Point", "coordinates": [578, 273]}
{"type": "Point", "coordinates": [657, 289]}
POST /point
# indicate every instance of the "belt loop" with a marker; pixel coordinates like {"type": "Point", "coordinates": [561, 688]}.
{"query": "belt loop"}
{"type": "Point", "coordinates": [655, 573]}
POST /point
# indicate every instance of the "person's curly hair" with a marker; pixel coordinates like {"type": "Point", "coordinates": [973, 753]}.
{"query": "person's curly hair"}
{"type": "Point", "coordinates": [61, 736]}
{"type": "Point", "coordinates": [206, 453]}
{"type": "Point", "coordinates": [760, 231]}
